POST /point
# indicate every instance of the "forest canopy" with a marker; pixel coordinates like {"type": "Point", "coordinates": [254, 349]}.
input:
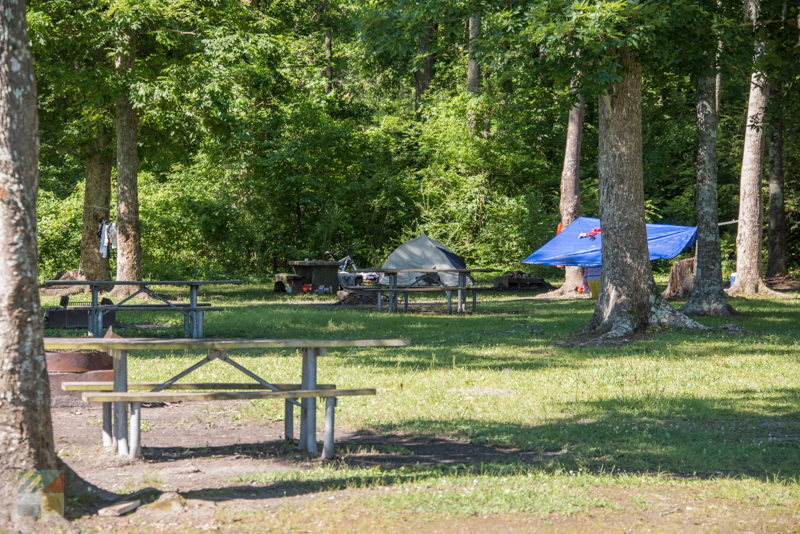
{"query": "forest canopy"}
{"type": "Point", "coordinates": [274, 131]}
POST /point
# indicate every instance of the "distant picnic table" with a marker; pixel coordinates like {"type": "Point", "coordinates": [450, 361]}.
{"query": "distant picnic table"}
{"type": "Point", "coordinates": [308, 390]}
{"type": "Point", "coordinates": [192, 311]}
{"type": "Point", "coordinates": [461, 288]}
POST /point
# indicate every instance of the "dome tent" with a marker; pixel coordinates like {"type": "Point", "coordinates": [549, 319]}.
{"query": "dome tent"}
{"type": "Point", "coordinates": [424, 253]}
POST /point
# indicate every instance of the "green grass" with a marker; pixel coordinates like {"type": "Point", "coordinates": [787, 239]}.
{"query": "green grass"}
{"type": "Point", "coordinates": [674, 408]}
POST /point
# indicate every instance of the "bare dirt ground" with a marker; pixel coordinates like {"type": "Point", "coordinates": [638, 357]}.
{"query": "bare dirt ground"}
{"type": "Point", "coordinates": [193, 453]}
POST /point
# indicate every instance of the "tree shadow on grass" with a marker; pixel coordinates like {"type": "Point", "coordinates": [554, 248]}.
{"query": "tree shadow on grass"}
{"type": "Point", "coordinates": [754, 435]}
{"type": "Point", "coordinates": [680, 436]}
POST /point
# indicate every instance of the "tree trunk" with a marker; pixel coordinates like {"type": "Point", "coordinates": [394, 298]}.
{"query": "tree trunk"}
{"type": "Point", "coordinates": [126, 121]}
{"type": "Point", "coordinates": [26, 431]}
{"type": "Point", "coordinates": [423, 75]}
{"type": "Point", "coordinates": [748, 237]}
{"type": "Point", "coordinates": [328, 60]}
{"type": "Point", "coordinates": [777, 235]}
{"type": "Point", "coordinates": [707, 295]}
{"type": "Point", "coordinates": [473, 69]}
{"type": "Point", "coordinates": [628, 301]}
{"type": "Point", "coordinates": [96, 207]}
{"type": "Point", "coordinates": [570, 200]}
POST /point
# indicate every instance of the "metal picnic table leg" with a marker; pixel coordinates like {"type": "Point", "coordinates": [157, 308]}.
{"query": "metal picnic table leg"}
{"type": "Point", "coordinates": [94, 315]}
{"type": "Point", "coordinates": [121, 408]}
{"type": "Point", "coordinates": [108, 432]}
{"type": "Point", "coordinates": [380, 300]}
{"type": "Point", "coordinates": [462, 297]}
{"type": "Point", "coordinates": [449, 301]}
{"type": "Point", "coordinates": [308, 411]}
{"type": "Point", "coordinates": [392, 292]}
{"type": "Point", "coordinates": [196, 331]}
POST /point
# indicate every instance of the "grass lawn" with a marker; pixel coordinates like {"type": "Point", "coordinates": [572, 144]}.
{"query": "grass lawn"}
{"type": "Point", "coordinates": [675, 417]}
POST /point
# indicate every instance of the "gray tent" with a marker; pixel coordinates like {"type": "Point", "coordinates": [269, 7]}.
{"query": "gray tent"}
{"type": "Point", "coordinates": [424, 253]}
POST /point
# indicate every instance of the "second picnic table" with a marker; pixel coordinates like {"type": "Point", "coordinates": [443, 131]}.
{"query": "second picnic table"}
{"type": "Point", "coordinates": [461, 286]}
{"type": "Point", "coordinates": [193, 311]}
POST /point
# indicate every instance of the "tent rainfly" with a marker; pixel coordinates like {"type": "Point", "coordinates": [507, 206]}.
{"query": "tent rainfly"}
{"type": "Point", "coordinates": [424, 253]}
{"type": "Point", "coordinates": [579, 244]}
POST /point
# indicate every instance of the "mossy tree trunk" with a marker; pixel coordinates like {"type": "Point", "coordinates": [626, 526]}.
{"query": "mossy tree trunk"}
{"type": "Point", "coordinates": [129, 253]}
{"type": "Point", "coordinates": [708, 296]}
{"type": "Point", "coordinates": [26, 430]}
{"type": "Point", "coordinates": [628, 301]}
{"type": "Point", "coordinates": [96, 206]}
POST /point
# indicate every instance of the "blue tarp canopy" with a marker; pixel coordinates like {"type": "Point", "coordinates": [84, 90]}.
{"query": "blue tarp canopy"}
{"type": "Point", "coordinates": [568, 248]}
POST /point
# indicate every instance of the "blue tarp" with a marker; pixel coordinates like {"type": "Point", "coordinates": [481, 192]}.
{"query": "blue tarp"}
{"type": "Point", "coordinates": [568, 248]}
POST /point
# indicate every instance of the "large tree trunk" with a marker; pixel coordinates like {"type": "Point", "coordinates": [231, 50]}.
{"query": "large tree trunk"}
{"type": "Point", "coordinates": [126, 120]}
{"type": "Point", "coordinates": [26, 431]}
{"type": "Point", "coordinates": [423, 75]}
{"type": "Point", "coordinates": [96, 206]}
{"type": "Point", "coordinates": [748, 237]}
{"type": "Point", "coordinates": [628, 300]}
{"type": "Point", "coordinates": [707, 296]}
{"type": "Point", "coordinates": [778, 233]}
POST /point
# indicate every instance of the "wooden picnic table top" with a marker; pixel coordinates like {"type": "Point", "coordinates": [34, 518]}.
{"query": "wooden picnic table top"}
{"type": "Point", "coordinates": [145, 343]}
{"type": "Point", "coordinates": [138, 282]}
{"type": "Point", "coordinates": [390, 271]}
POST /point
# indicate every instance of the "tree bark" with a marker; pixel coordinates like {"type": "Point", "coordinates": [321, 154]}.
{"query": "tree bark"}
{"type": "Point", "coordinates": [26, 430]}
{"type": "Point", "coordinates": [96, 206]}
{"type": "Point", "coordinates": [748, 237]}
{"type": "Point", "coordinates": [628, 300]}
{"type": "Point", "coordinates": [570, 199]}
{"type": "Point", "coordinates": [473, 67]}
{"type": "Point", "coordinates": [423, 75]}
{"type": "Point", "coordinates": [708, 296]}
{"type": "Point", "coordinates": [777, 235]}
{"type": "Point", "coordinates": [328, 41]}
{"type": "Point", "coordinates": [126, 122]}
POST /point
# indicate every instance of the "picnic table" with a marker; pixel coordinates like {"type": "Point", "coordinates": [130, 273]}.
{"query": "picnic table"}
{"type": "Point", "coordinates": [461, 287]}
{"type": "Point", "coordinates": [192, 311]}
{"type": "Point", "coordinates": [308, 391]}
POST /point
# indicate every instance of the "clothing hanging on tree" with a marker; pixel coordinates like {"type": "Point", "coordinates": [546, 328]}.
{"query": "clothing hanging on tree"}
{"type": "Point", "coordinates": [108, 237]}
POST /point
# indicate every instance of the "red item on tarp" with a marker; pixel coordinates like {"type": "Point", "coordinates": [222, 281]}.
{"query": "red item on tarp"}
{"type": "Point", "coordinates": [593, 233]}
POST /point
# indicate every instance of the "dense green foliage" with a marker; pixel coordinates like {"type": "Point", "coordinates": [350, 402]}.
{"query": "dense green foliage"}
{"type": "Point", "coordinates": [247, 160]}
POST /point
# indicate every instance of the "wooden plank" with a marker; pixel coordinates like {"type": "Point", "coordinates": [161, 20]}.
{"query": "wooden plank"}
{"type": "Point", "coordinates": [144, 307]}
{"type": "Point", "coordinates": [146, 386]}
{"type": "Point", "coordinates": [100, 283]}
{"type": "Point", "coordinates": [390, 271]}
{"type": "Point", "coordinates": [147, 343]}
{"type": "Point", "coordinates": [416, 289]}
{"type": "Point", "coordinates": [161, 396]}
{"type": "Point", "coordinates": [136, 306]}
{"type": "Point", "coordinates": [119, 509]}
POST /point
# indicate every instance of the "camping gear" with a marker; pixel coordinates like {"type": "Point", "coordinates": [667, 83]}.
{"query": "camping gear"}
{"type": "Point", "coordinates": [315, 273]}
{"type": "Point", "coordinates": [580, 243]}
{"type": "Point", "coordinates": [424, 253]}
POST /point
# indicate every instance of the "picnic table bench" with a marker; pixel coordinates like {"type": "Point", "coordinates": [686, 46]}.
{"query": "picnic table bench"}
{"type": "Point", "coordinates": [123, 395]}
{"type": "Point", "coordinates": [461, 288]}
{"type": "Point", "coordinates": [193, 311]}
